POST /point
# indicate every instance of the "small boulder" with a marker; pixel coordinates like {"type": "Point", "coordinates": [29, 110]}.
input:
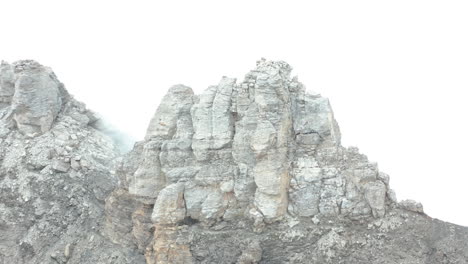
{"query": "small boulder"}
{"type": "Point", "coordinates": [60, 166]}
{"type": "Point", "coordinates": [170, 205]}
{"type": "Point", "coordinates": [411, 205]}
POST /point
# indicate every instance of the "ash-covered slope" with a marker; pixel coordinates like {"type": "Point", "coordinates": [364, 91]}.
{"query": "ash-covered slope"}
{"type": "Point", "coordinates": [249, 172]}
{"type": "Point", "coordinates": [55, 173]}
{"type": "Point", "coordinates": [254, 172]}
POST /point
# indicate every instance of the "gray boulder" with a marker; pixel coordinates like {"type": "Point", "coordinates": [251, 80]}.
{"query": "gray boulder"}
{"type": "Point", "coordinates": [33, 94]}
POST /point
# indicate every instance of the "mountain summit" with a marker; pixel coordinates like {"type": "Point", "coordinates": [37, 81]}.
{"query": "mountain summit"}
{"type": "Point", "coordinates": [246, 172]}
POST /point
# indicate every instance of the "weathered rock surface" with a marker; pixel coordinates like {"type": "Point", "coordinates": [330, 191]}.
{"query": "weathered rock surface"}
{"type": "Point", "coordinates": [253, 172]}
{"type": "Point", "coordinates": [246, 172]}
{"type": "Point", "coordinates": [55, 173]}
{"type": "Point", "coordinates": [35, 95]}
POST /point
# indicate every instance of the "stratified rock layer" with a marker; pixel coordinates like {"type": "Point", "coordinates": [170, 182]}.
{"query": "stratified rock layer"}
{"type": "Point", "coordinates": [253, 172]}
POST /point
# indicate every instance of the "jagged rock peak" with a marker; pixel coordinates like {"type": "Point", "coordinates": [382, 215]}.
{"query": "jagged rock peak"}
{"type": "Point", "coordinates": [261, 135]}
{"type": "Point", "coordinates": [267, 86]}
{"type": "Point", "coordinates": [250, 156]}
{"type": "Point", "coordinates": [249, 172]}
{"type": "Point", "coordinates": [33, 95]}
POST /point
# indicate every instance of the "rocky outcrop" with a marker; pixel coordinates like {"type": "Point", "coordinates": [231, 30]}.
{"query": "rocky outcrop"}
{"type": "Point", "coordinates": [34, 93]}
{"type": "Point", "coordinates": [246, 172]}
{"type": "Point", "coordinates": [254, 172]}
{"type": "Point", "coordinates": [55, 173]}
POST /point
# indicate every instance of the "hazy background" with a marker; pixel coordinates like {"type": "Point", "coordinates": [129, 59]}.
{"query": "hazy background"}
{"type": "Point", "coordinates": [396, 72]}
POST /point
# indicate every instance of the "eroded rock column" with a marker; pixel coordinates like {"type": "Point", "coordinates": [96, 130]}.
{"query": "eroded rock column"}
{"type": "Point", "coordinates": [269, 140]}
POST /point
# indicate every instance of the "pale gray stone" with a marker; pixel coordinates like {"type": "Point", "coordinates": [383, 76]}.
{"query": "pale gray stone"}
{"type": "Point", "coordinates": [246, 172]}
{"type": "Point", "coordinates": [411, 205]}
{"type": "Point", "coordinates": [375, 193]}
{"type": "Point", "coordinates": [37, 99]}
{"type": "Point", "coordinates": [51, 213]}
{"type": "Point", "coordinates": [7, 84]}
{"type": "Point", "coordinates": [169, 207]}
{"type": "Point", "coordinates": [148, 179]}
{"type": "Point", "coordinates": [212, 207]}
{"type": "Point", "coordinates": [212, 119]}
{"type": "Point", "coordinates": [176, 102]}
{"type": "Point", "coordinates": [60, 165]}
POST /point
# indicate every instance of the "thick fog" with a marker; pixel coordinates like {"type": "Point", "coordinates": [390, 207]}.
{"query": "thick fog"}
{"type": "Point", "coordinates": [395, 72]}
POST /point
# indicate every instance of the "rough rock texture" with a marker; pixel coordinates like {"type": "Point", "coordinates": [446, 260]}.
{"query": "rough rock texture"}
{"type": "Point", "coordinates": [249, 172]}
{"type": "Point", "coordinates": [253, 172]}
{"type": "Point", "coordinates": [35, 95]}
{"type": "Point", "coordinates": [55, 173]}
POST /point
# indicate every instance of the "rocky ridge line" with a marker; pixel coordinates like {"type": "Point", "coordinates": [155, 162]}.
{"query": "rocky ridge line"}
{"type": "Point", "coordinates": [249, 172]}
{"type": "Point", "coordinates": [254, 172]}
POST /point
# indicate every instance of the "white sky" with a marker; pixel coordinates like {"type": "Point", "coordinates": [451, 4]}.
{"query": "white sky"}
{"type": "Point", "coordinates": [396, 72]}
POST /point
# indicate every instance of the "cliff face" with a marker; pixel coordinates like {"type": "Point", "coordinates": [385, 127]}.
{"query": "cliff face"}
{"type": "Point", "coordinates": [249, 172]}
{"type": "Point", "coordinates": [253, 172]}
